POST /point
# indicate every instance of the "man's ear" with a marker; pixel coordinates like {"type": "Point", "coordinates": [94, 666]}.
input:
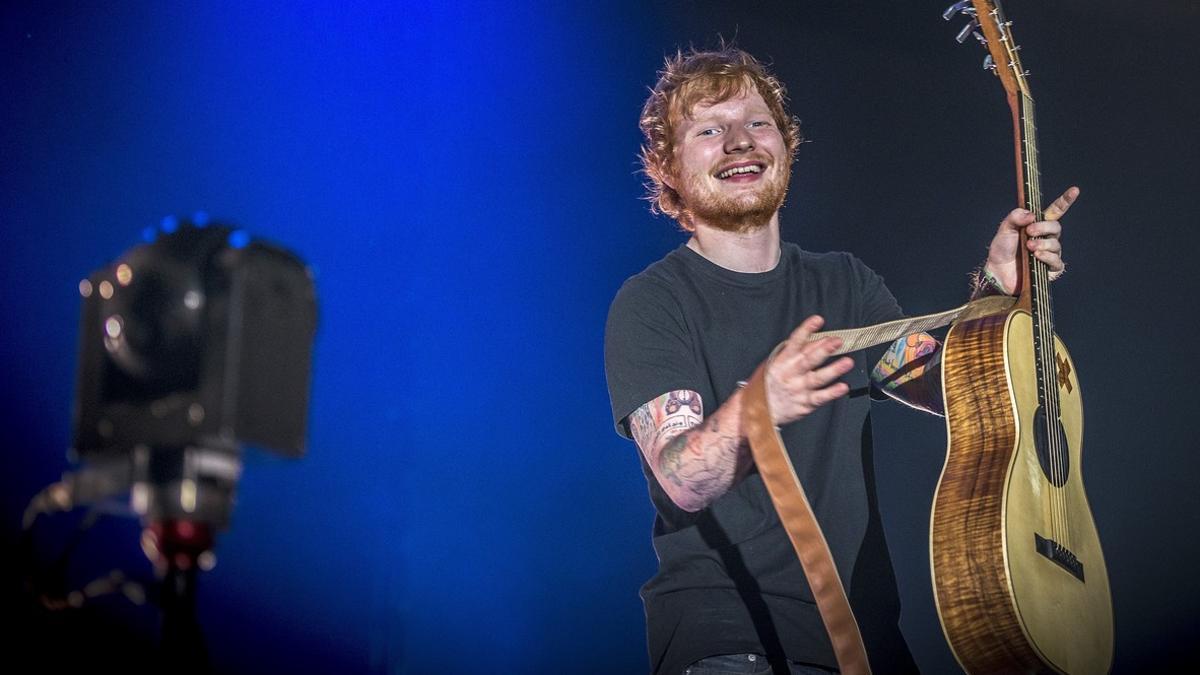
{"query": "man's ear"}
{"type": "Point", "coordinates": [667, 176]}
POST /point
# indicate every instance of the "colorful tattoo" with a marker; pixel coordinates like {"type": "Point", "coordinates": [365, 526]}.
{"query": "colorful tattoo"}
{"type": "Point", "coordinates": [905, 360]}
{"type": "Point", "coordinates": [700, 458]}
{"type": "Point", "coordinates": [678, 399]}
{"type": "Point", "coordinates": [908, 372]}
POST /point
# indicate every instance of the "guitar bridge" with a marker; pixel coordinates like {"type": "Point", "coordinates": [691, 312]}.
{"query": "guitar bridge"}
{"type": "Point", "coordinates": [1059, 554]}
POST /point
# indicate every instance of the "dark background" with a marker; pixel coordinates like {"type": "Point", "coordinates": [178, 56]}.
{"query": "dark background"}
{"type": "Point", "coordinates": [462, 180]}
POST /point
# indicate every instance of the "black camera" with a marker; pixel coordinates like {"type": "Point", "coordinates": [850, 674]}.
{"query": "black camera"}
{"type": "Point", "coordinates": [191, 346]}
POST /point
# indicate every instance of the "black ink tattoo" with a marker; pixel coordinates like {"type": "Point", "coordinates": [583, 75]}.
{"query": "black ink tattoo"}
{"type": "Point", "coordinates": [671, 459]}
{"type": "Point", "coordinates": [705, 474]}
{"type": "Point", "coordinates": [673, 426]}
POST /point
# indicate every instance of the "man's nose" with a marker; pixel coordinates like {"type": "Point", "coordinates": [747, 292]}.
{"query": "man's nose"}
{"type": "Point", "coordinates": [738, 140]}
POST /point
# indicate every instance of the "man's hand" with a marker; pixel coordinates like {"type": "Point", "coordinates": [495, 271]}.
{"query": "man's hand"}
{"type": "Point", "coordinates": [1044, 241]}
{"type": "Point", "coordinates": [798, 380]}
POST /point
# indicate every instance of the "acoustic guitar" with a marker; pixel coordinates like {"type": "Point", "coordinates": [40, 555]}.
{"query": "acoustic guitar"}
{"type": "Point", "coordinates": [1018, 575]}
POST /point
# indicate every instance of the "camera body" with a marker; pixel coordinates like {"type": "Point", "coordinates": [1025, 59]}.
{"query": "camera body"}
{"type": "Point", "coordinates": [201, 338]}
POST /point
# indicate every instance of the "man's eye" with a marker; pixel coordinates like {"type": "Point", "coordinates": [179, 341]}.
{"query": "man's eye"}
{"type": "Point", "coordinates": [709, 132]}
{"type": "Point", "coordinates": [760, 123]}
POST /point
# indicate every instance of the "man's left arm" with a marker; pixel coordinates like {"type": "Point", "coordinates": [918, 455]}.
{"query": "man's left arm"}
{"type": "Point", "coordinates": [910, 370]}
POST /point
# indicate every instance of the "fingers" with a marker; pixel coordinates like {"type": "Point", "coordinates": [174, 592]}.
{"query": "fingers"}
{"type": "Point", "coordinates": [1016, 219]}
{"type": "Point", "coordinates": [821, 377]}
{"type": "Point", "coordinates": [1045, 237]}
{"type": "Point", "coordinates": [1045, 228]}
{"type": "Point", "coordinates": [1049, 251]}
{"type": "Point", "coordinates": [1061, 205]}
{"type": "Point", "coordinates": [801, 347]}
{"type": "Point", "coordinates": [799, 380]}
{"type": "Point", "coordinates": [1045, 245]}
{"type": "Point", "coordinates": [817, 387]}
{"type": "Point", "coordinates": [1053, 261]}
{"type": "Point", "coordinates": [1048, 246]}
{"type": "Point", "coordinates": [794, 391]}
{"type": "Point", "coordinates": [820, 397]}
{"type": "Point", "coordinates": [806, 328]}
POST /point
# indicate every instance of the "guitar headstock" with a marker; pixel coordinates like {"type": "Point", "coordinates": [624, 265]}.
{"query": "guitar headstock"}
{"type": "Point", "coordinates": [989, 26]}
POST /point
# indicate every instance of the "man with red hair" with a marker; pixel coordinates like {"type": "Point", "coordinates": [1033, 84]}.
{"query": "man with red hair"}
{"type": "Point", "coordinates": [729, 595]}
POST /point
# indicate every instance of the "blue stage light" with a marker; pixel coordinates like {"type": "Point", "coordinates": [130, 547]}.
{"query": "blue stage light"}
{"type": "Point", "coordinates": [239, 239]}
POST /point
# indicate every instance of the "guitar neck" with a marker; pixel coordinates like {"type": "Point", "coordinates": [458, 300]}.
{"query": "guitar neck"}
{"type": "Point", "coordinates": [1034, 276]}
{"type": "Point", "coordinates": [1004, 60]}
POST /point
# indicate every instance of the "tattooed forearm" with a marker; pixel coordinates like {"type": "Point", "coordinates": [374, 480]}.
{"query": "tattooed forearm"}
{"type": "Point", "coordinates": [694, 461]}
{"type": "Point", "coordinates": [704, 461]}
{"type": "Point", "coordinates": [671, 437]}
{"type": "Point", "coordinates": [670, 460]}
{"type": "Point", "coordinates": [910, 372]}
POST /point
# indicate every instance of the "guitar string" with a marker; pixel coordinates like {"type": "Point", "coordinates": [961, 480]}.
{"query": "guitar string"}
{"type": "Point", "coordinates": [1061, 449]}
{"type": "Point", "coordinates": [1045, 343]}
{"type": "Point", "coordinates": [1044, 348]}
{"type": "Point", "coordinates": [1060, 523]}
{"type": "Point", "coordinates": [1039, 350]}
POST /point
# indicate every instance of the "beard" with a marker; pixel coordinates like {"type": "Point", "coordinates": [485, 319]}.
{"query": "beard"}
{"type": "Point", "coordinates": [740, 213]}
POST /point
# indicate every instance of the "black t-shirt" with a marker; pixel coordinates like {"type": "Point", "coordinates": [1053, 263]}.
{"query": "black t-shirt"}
{"type": "Point", "coordinates": [728, 578]}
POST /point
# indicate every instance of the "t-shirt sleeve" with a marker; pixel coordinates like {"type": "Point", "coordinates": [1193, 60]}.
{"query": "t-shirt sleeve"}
{"type": "Point", "coordinates": [877, 305]}
{"type": "Point", "coordinates": [647, 349]}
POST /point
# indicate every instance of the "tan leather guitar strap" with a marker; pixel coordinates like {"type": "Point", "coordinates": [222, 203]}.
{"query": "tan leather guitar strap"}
{"type": "Point", "coordinates": [788, 496]}
{"type": "Point", "coordinates": [854, 339]}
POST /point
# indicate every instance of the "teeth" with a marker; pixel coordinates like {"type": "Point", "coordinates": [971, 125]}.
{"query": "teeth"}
{"type": "Point", "coordinates": [753, 168]}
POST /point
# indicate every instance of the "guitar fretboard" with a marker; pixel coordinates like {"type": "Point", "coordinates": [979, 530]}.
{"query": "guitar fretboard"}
{"type": "Point", "coordinates": [1046, 357]}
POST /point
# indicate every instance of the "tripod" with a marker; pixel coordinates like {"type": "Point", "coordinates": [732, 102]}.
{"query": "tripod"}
{"type": "Point", "coordinates": [183, 496]}
{"type": "Point", "coordinates": [177, 548]}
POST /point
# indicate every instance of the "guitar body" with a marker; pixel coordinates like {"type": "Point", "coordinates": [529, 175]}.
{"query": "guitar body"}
{"type": "Point", "coordinates": [1018, 574]}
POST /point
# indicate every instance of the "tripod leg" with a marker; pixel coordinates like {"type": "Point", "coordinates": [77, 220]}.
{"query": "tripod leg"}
{"type": "Point", "coordinates": [177, 547]}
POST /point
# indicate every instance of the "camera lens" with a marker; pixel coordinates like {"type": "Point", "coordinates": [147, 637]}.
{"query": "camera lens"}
{"type": "Point", "coordinates": [152, 319]}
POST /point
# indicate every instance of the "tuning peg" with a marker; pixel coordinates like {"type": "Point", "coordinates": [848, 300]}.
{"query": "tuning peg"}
{"type": "Point", "coordinates": [989, 63]}
{"type": "Point", "coordinates": [967, 30]}
{"type": "Point", "coordinates": [963, 6]}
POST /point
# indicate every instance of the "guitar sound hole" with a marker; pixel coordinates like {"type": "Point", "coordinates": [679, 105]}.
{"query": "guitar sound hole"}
{"type": "Point", "coordinates": [1054, 458]}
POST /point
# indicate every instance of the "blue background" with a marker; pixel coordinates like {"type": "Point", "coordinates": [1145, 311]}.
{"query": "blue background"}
{"type": "Point", "coordinates": [462, 179]}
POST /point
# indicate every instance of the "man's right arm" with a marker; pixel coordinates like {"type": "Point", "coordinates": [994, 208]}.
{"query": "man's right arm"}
{"type": "Point", "coordinates": [696, 460]}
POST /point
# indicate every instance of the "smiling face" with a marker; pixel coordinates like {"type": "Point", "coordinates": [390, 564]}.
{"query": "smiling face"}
{"type": "Point", "coordinates": [731, 164]}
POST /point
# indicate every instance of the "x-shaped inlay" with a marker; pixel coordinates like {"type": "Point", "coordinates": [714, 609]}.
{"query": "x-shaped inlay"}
{"type": "Point", "coordinates": [1064, 372]}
